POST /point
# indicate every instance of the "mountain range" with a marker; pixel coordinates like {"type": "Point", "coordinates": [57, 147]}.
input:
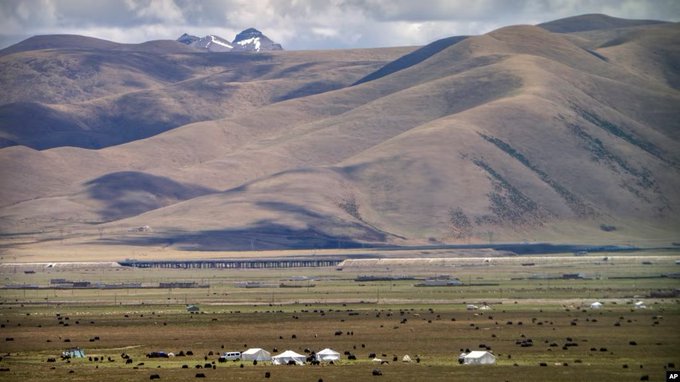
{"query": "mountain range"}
{"type": "Point", "coordinates": [567, 131]}
{"type": "Point", "coordinates": [249, 40]}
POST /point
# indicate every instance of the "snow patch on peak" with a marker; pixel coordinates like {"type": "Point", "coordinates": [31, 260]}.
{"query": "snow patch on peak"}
{"type": "Point", "coordinates": [255, 42]}
{"type": "Point", "coordinates": [212, 43]}
{"type": "Point", "coordinates": [220, 41]}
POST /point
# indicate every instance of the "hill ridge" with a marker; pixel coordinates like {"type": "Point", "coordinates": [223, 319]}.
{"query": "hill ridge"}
{"type": "Point", "coordinates": [521, 133]}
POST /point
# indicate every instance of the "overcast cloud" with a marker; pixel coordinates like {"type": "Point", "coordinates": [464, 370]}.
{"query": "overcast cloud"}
{"type": "Point", "coordinates": [302, 24]}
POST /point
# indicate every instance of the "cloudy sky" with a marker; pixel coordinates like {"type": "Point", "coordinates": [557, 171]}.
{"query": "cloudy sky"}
{"type": "Point", "coordinates": [302, 24]}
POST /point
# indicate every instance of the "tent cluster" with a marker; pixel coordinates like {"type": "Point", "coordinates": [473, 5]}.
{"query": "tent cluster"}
{"type": "Point", "coordinates": [598, 305]}
{"type": "Point", "coordinates": [289, 357]}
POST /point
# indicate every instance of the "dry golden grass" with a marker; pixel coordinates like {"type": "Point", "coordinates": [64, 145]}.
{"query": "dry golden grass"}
{"type": "Point", "coordinates": [517, 135]}
{"type": "Point", "coordinates": [393, 318]}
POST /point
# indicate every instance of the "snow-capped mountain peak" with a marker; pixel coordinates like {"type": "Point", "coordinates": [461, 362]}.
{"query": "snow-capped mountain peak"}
{"type": "Point", "coordinates": [250, 40]}
{"type": "Point", "coordinates": [248, 34]}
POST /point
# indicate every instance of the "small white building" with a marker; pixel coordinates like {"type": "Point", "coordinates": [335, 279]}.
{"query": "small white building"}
{"type": "Point", "coordinates": [478, 357]}
{"type": "Point", "coordinates": [596, 305]}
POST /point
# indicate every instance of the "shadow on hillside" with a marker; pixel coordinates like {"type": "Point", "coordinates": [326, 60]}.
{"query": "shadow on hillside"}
{"type": "Point", "coordinates": [125, 117]}
{"type": "Point", "coordinates": [130, 193]}
{"type": "Point", "coordinates": [263, 235]}
{"type": "Point", "coordinates": [412, 58]}
{"type": "Point", "coordinates": [321, 231]}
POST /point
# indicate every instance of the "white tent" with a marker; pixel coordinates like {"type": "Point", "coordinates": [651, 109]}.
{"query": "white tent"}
{"type": "Point", "coordinates": [328, 355]}
{"type": "Point", "coordinates": [478, 357]}
{"type": "Point", "coordinates": [596, 305]}
{"type": "Point", "coordinates": [256, 354]}
{"type": "Point", "coordinates": [640, 305]}
{"type": "Point", "coordinates": [287, 356]}
{"type": "Point", "coordinates": [73, 353]}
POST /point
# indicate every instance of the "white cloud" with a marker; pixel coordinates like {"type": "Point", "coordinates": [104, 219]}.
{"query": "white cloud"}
{"type": "Point", "coordinates": [325, 32]}
{"type": "Point", "coordinates": [157, 10]}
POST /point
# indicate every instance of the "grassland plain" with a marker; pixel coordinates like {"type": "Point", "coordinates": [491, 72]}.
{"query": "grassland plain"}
{"type": "Point", "coordinates": [389, 318]}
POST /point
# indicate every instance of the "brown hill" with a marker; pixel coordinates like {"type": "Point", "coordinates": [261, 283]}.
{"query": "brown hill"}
{"type": "Point", "coordinates": [591, 22]}
{"type": "Point", "coordinates": [519, 134]}
{"type": "Point", "coordinates": [105, 94]}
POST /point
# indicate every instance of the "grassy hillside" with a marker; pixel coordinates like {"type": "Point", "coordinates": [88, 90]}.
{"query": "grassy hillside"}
{"type": "Point", "coordinates": [521, 134]}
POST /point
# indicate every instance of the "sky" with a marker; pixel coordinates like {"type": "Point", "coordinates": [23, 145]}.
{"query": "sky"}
{"type": "Point", "coordinates": [302, 24]}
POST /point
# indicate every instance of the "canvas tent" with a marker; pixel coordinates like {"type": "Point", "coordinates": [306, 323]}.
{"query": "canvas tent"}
{"type": "Point", "coordinates": [256, 354]}
{"type": "Point", "coordinates": [328, 355]}
{"type": "Point", "coordinates": [596, 305]}
{"type": "Point", "coordinates": [478, 357]}
{"type": "Point", "coordinates": [287, 356]}
{"type": "Point", "coordinates": [73, 353]}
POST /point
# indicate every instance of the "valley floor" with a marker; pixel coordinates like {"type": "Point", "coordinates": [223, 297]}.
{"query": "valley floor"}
{"type": "Point", "coordinates": [314, 308]}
